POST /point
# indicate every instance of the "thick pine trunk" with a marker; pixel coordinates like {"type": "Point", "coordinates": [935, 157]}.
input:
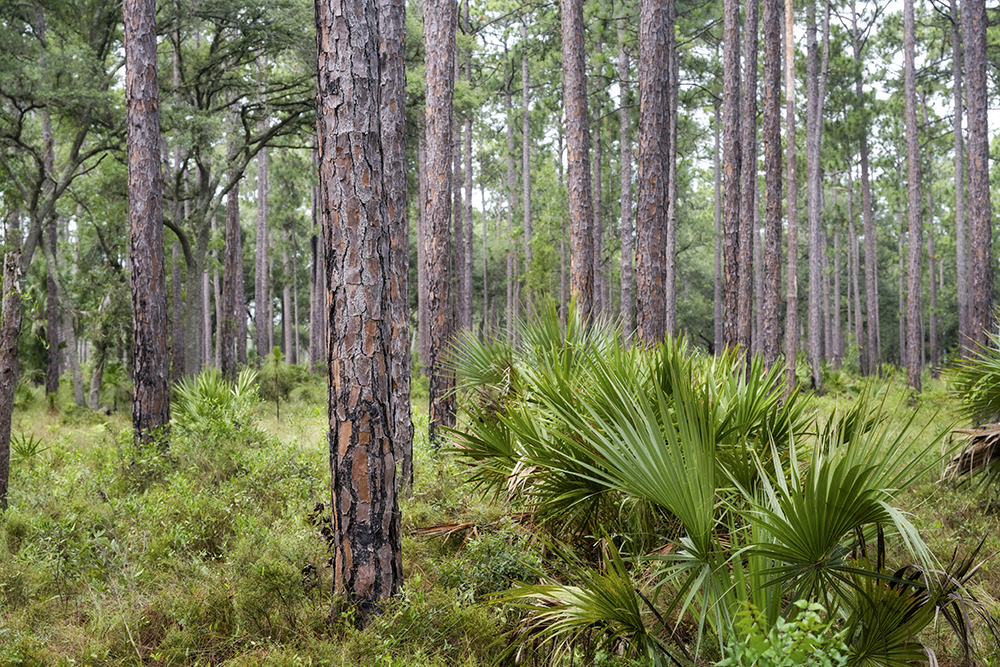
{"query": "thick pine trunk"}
{"type": "Point", "coordinates": [439, 45]}
{"type": "Point", "coordinates": [769, 333]}
{"type": "Point", "coordinates": [392, 23]}
{"type": "Point", "coordinates": [578, 143]}
{"type": "Point", "coordinates": [651, 220]}
{"type": "Point", "coordinates": [913, 337]}
{"type": "Point", "coordinates": [980, 273]}
{"type": "Point", "coordinates": [10, 328]}
{"type": "Point", "coordinates": [625, 160]}
{"type": "Point", "coordinates": [356, 233]}
{"type": "Point", "coordinates": [151, 397]}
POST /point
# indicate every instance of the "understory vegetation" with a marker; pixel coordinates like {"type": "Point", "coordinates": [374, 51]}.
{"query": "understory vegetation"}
{"type": "Point", "coordinates": [598, 505]}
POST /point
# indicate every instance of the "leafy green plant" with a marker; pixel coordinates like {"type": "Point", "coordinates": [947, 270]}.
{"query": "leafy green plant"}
{"type": "Point", "coordinates": [275, 379]}
{"type": "Point", "coordinates": [209, 398]}
{"type": "Point", "coordinates": [975, 380]}
{"type": "Point", "coordinates": [803, 641]}
{"type": "Point", "coordinates": [25, 448]}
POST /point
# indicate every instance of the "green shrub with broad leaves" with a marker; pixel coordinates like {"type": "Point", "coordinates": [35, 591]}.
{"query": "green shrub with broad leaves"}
{"type": "Point", "coordinates": [805, 640]}
{"type": "Point", "coordinates": [208, 399]}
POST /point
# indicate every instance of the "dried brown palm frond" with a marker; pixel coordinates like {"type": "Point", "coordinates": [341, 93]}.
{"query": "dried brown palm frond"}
{"type": "Point", "coordinates": [982, 447]}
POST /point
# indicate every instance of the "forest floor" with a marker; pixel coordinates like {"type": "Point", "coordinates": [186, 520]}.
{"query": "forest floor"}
{"type": "Point", "coordinates": [214, 553]}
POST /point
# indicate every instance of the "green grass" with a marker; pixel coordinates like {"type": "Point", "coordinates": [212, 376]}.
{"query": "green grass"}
{"type": "Point", "coordinates": [213, 556]}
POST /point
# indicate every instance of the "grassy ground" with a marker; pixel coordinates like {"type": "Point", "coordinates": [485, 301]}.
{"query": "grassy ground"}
{"type": "Point", "coordinates": [215, 554]}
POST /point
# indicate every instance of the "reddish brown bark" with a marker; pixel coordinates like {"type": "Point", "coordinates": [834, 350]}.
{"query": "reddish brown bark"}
{"type": "Point", "coordinates": [356, 231]}
{"type": "Point", "coordinates": [151, 398]}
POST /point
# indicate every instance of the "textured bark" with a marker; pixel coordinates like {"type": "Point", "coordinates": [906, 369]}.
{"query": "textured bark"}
{"type": "Point", "coordinates": [228, 325]}
{"type": "Point", "coordinates": [512, 304]}
{"type": "Point", "coordinates": [855, 252]}
{"type": "Point", "coordinates": [651, 221]}
{"type": "Point", "coordinates": [525, 164]}
{"type": "Point", "coordinates": [287, 328]}
{"type": "Point", "coordinates": [578, 144]}
{"type": "Point", "coordinates": [51, 239]}
{"type": "Point", "coordinates": [961, 262]}
{"type": "Point", "coordinates": [813, 120]}
{"type": "Point", "coordinates": [769, 333]}
{"type": "Point", "coordinates": [792, 190]}
{"type": "Point", "coordinates": [439, 45]}
{"type": "Point", "coordinates": [597, 183]}
{"type": "Point", "coordinates": [177, 342]}
{"type": "Point", "coordinates": [208, 289]}
{"type": "Point", "coordinates": [465, 300]}
{"type": "Point", "coordinates": [980, 273]}
{"type": "Point", "coordinates": [458, 226]}
{"type": "Point", "coordinates": [392, 33]}
{"type": "Point", "coordinates": [748, 177]}
{"type": "Point", "coordinates": [913, 337]}
{"type": "Point", "coordinates": [151, 398]}
{"type": "Point", "coordinates": [731, 169]}
{"type": "Point", "coordinates": [625, 171]}
{"type": "Point", "coordinates": [10, 328]}
{"type": "Point", "coordinates": [317, 297]}
{"type": "Point", "coordinates": [356, 236]}
{"type": "Point", "coordinates": [670, 251]}
{"type": "Point", "coordinates": [261, 292]}
{"type": "Point", "coordinates": [719, 343]}
{"type": "Point", "coordinates": [423, 319]}
{"type": "Point", "coordinates": [827, 313]}
{"type": "Point", "coordinates": [870, 361]}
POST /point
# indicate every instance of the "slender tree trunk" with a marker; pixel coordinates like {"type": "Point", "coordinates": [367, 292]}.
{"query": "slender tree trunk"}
{"type": "Point", "coordinates": [758, 282]}
{"type": "Point", "coordinates": [980, 273]}
{"type": "Point", "coordinates": [457, 211]}
{"type": "Point", "coordinates": [317, 298]}
{"type": "Point", "coordinates": [261, 289]}
{"type": "Point", "coordinates": [10, 329]}
{"type": "Point", "coordinates": [598, 223]}
{"type": "Point", "coordinates": [578, 142]}
{"type": "Point", "coordinates": [178, 346]}
{"type": "Point", "coordinates": [625, 160]}
{"type": "Point", "coordinates": [512, 304]}
{"type": "Point", "coordinates": [828, 341]}
{"type": "Point", "coordinates": [439, 45]}
{"type": "Point", "coordinates": [651, 221]}
{"type": "Point", "coordinates": [838, 334]}
{"type": "Point", "coordinates": [855, 261]}
{"type": "Point", "coordinates": [367, 537]}
{"type": "Point", "coordinates": [51, 291]}
{"type": "Point", "coordinates": [526, 164]}
{"type": "Point", "coordinates": [232, 265]}
{"type": "Point", "coordinates": [813, 120]}
{"type": "Point", "coordinates": [286, 304]}
{"type": "Point", "coordinates": [961, 262]}
{"type": "Point", "coordinates": [217, 288]}
{"type": "Point", "coordinates": [466, 297]}
{"type": "Point", "coordinates": [913, 199]}
{"type": "Point", "coordinates": [151, 398]}
{"type": "Point", "coordinates": [423, 314]}
{"type": "Point", "coordinates": [717, 171]}
{"type": "Point", "coordinates": [392, 33]}
{"type": "Point", "coordinates": [670, 171]}
{"type": "Point", "coordinates": [792, 289]}
{"type": "Point", "coordinates": [206, 311]}
{"type": "Point", "coordinates": [563, 283]}
{"type": "Point", "coordinates": [932, 328]}
{"type": "Point", "coordinates": [486, 259]}
{"type": "Point", "coordinates": [295, 355]}
{"type": "Point", "coordinates": [732, 169]}
{"type": "Point", "coordinates": [771, 293]}
{"type": "Point", "coordinates": [748, 178]}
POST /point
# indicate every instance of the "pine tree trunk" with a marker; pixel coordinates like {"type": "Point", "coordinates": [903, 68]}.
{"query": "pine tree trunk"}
{"type": "Point", "coordinates": [792, 288]}
{"type": "Point", "coordinates": [439, 45]}
{"type": "Point", "coordinates": [625, 160]}
{"type": "Point", "coordinates": [392, 33]}
{"type": "Point", "coordinates": [423, 317]}
{"type": "Point", "coordinates": [598, 223]}
{"type": "Point", "coordinates": [458, 227]}
{"type": "Point", "coordinates": [466, 296]}
{"type": "Point", "coordinates": [356, 231]}
{"type": "Point", "coordinates": [768, 299]}
{"type": "Point", "coordinates": [578, 143]}
{"type": "Point", "coordinates": [295, 356]}
{"type": "Point", "coordinates": [932, 325]}
{"type": "Point", "coordinates": [260, 288]}
{"type": "Point", "coordinates": [719, 342]}
{"type": "Point", "coordinates": [748, 178]}
{"type": "Point", "coordinates": [902, 291]}
{"type": "Point", "coordinates": [913, 338]}
{"type": "Point", "coordinates": [563, 286]}
{"type": "Point", "coordinates": [228, 325]}
{"type": "Point", "coordinates": [828, 344]}
{"type": "Point", "coordinates": [526, 164]}
{"type": "Point", "coordinates": [961, 261]}
{"type": "Point", "coordinates": [651, 220]}
{"type": "Point", "coordinates": [838, 334]}
{"type": "Point", "coordinates": [151, 397]}
{"type": "Point", "coordinates": [855, 261]}
{"type": "Point", "coordinates": [980, 273]}
{"type": "Point", "coordinates": [813, 120]}
{"type": "Point", "coordinates": [731, 169]}
{"type": "Point", "coordinates": [10, 329]}
{"type": "Point", "coordinates": [286, 304]}
{"type": "Point", "coordinates": [512, 304]}
{"type": "Point", "coordinates": [51, 240]}
{"type": "Point", "coordinates": [670, 171]}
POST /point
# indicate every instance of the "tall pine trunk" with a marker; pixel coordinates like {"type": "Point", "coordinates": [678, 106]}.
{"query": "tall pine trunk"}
{"type": "Point", "coordinates": [748, 179]}
{"type": "Point", "coordinates": [961, 261]}
{"type": "Point", "coordinates": [10, 328]}
{"type": "Point", "coordinates": [625, 170]}
{"type": "Point", "coordinates": [670, 252]}
{"type": "Point", "coordinates": [769, 333]}
{"type": "Point", "coordinates": [151, 396]}
{"type": "Point", "coordinates": [526, 165]}
{"type": "Point", "coordinates": [792, 288]}
{"type": "Point", "coordinates": [731, 169]}
{"type": "Point", "coordinates": [439, 45]}
{"type": "Point", "coordinates": [260, 286]}
{"type": "Point", "coordinates": [578, 143]}
{"type": "Point", "coordinates": [913, 337]}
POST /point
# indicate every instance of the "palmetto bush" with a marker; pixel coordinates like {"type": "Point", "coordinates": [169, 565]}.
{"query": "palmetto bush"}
{"type": "Point", "coordinates": [689, 492]}
{"type": "Point", "coordinates": [209, 399]}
